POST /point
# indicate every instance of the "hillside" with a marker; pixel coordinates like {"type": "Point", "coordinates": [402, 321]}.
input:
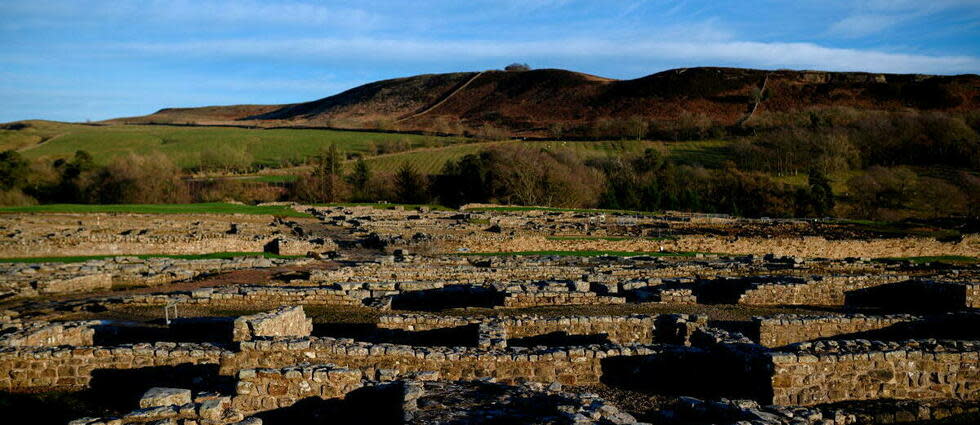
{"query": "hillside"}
{"type": "Point", "coordinates": [529, 103]}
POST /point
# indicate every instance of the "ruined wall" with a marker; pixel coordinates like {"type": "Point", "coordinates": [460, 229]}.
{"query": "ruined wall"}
{"type": "Point", "coordinates": [796, 246]}
{"type": "Point", "coordinates": [827, 372]}
{"type": "Point", "coordinates": [533, 299]}
{"type": "Point", "coordinates": [267, 389]}
{"type": "Point", "coordinates": [241, 295]}
{"type": "Point", "coordinates": [830, 290]}
{"type": "Point", "coordinates": [86, 283]}
{"type": "Point", "coordinates": [70, 368]}
{"type": "Point", "coordinates": [282, 322]}
{"type": "Point", "coordinates": [568, 365]}
{"type": "Point", "coordinates": [46, 334]}
{"type": "Point", "coordinates": [424, 322]}
{"type": "Point", "coordinates": [777, 331]}
{"type": "Point", "coordinates": [618, 329]}
{"type": "Point", "coordinates": [634, 329]}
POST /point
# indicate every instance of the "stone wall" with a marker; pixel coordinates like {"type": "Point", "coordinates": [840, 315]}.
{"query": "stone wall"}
{"type": "Point", "coordinates": [70, 368]}
{"type": "Point", "coordinates": [33, 279]}
{"type": "Point", "coordinates": [85, 283]}
{"type": "Point", "coordinates": [833, 371]}
{"type": "Point", "coordinates": [48, 334]}
{"type": "Point", "coordinates": [282, 322]}
{"type": "Point", "coordinates": [568, 365]}
{"type": "Point", "coordinates": [267, 389]}
{"type": "Point", "coordinates": [830, 290]}
{"type": "Point", "coordinates": [777, 331]}
{"type": "Point", "coordinates": [424, 322]}
{"type": "Point", "coordinates": [635, 329]}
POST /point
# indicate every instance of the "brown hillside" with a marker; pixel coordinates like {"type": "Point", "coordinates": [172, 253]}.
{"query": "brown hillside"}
{"type": "Point", "coordinates": [527, 103]}
{"type": "Point", "coordinates": [207, 115]}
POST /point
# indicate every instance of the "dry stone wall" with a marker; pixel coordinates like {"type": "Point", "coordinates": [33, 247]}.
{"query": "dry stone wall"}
{"type": "Point", "coordinates": [29, 280]}
{"type": "Point", "coordinates": [796, 246]}
{"type": "Point", "coordinates": [777, 331]}
{"type": "Point", "coordinates": [570, 365]}
{"type": "Point", "coordinates": [47, 334]}
{"type": "Point", "coordinates": [266, 389]}
{"type": "Point", "coordinates": [283, 322]}
{"type": "Point", "coordinates": [833, 371]}
{"type": "Point", "coordinates": [70, 368]}
{"type": "Point", "coordinates": [828, 291]}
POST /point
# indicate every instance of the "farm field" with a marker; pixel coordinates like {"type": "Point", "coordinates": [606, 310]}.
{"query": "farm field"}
{"type": "Point", "coordinates": [185, 145]}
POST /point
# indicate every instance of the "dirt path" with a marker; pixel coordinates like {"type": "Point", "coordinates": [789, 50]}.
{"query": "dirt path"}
{"type": "Point", "coordinates": [439, 103]}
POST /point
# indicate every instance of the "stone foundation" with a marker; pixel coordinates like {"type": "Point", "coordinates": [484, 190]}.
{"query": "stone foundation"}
{"type": "Point", "coordinates": [266, 389]}
{"type": "Point", "coordinates": [832, 371]}
{"type": "Point", "coordinates": [777, 331]}
{"type": "Point", "coordinates": [70, 368]}
{"type": "Point", "coordinates": [282, 322]}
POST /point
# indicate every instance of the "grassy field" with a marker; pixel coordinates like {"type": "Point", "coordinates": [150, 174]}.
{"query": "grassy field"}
{"type": "Point", "coordinates": [83, 258]}
{"type": "Point", "coordinates": [274, 148]}
{"type": "Point", "coordinates": [268, 148]}
{"type": "Point", "coordinates": [709, 153]}
{"type": "Point", "coordinates": [204, 208]}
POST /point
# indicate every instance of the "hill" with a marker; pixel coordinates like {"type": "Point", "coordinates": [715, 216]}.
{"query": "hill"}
{"type": "Point", "coordinates": [532, 103]}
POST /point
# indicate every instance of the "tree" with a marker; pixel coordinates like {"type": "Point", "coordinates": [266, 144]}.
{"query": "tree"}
{"type": "Point", "coordinates": [361, 175]}
{"type": "Point", "coordinates": [821, 194]}
{"type": "Point", "coordinates": [140, 179]}
{"type": "Point", "coordinates": [517, 67]}
{"type": "Point", "coordinates": [324, 184]}
{"type": "Point", "coordinates": [410, 185]}
{"type": "Point", "coordinates": [940, 198]}
{"type": "Point", "coordinates": [14, 170]}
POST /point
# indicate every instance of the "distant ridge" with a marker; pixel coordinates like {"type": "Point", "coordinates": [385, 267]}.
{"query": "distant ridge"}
{"type": "Point", "coordinates": [528, 103]}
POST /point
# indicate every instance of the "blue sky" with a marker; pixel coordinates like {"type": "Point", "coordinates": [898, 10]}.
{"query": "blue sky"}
{"type": "Point", "coordinates": [75, 60]}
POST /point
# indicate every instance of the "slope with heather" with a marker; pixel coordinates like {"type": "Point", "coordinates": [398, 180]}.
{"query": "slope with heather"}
{"type": "Point", "coordinates": [531, 103]}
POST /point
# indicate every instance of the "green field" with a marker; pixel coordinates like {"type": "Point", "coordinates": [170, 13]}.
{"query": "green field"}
{"type": "Point", "coordinates": [83, 258]}
{"type": "Point", "coordinates": [185, 145]}
{"type": "Point", "coordinates": [273, 148]}
{"type": "Point", "coordinates": [709, 153]}
{"type": "Point", "coordinates": [204, 208]}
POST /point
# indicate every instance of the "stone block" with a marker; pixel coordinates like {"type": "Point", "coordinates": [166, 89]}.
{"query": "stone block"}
{"type": "Point", "coordinates": [160, 396]}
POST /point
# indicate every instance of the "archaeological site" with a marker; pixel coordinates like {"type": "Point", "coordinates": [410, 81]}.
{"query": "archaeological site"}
{"type": "Point", "coordinates": [384, 314]}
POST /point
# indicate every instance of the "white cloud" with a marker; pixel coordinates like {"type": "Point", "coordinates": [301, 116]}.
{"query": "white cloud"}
{"type": "Point", "coordinates": [166, 13]}
{"type": "Point", "coordinates": [863, 25]}
{"type": "Point", "coordinates": [633, 52]}
{"type": "Point", "coordinates": [868, 17]}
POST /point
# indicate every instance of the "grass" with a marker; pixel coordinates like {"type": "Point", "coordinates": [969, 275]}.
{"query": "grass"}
{"type": "Point", "coordinates": [273, 178]}
{"type": "Point", "coordinates": [709, 153]}
{"type": "Point", "coordinates": [84, 258]}
{"type": "Point", "coordinates": [898, 229]}
{"type": "Point", "coordinates": [202, 208]}
{"type": "Point", "coordinates": [184, 145]}
{"type": "Point", "coordinates": [588, 254]}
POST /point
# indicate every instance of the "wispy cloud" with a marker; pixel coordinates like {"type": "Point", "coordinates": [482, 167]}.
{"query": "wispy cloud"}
{"type": "Point", "coordinates": [748, 53]}
{"type": "Point", "coordinates": [869, 17]}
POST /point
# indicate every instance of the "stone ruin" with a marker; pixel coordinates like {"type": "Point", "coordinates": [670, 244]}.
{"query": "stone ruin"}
{"type": "Point", "coordinates": [448, 337]}
{"type": "Point", "coordinates": [283, 322]}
